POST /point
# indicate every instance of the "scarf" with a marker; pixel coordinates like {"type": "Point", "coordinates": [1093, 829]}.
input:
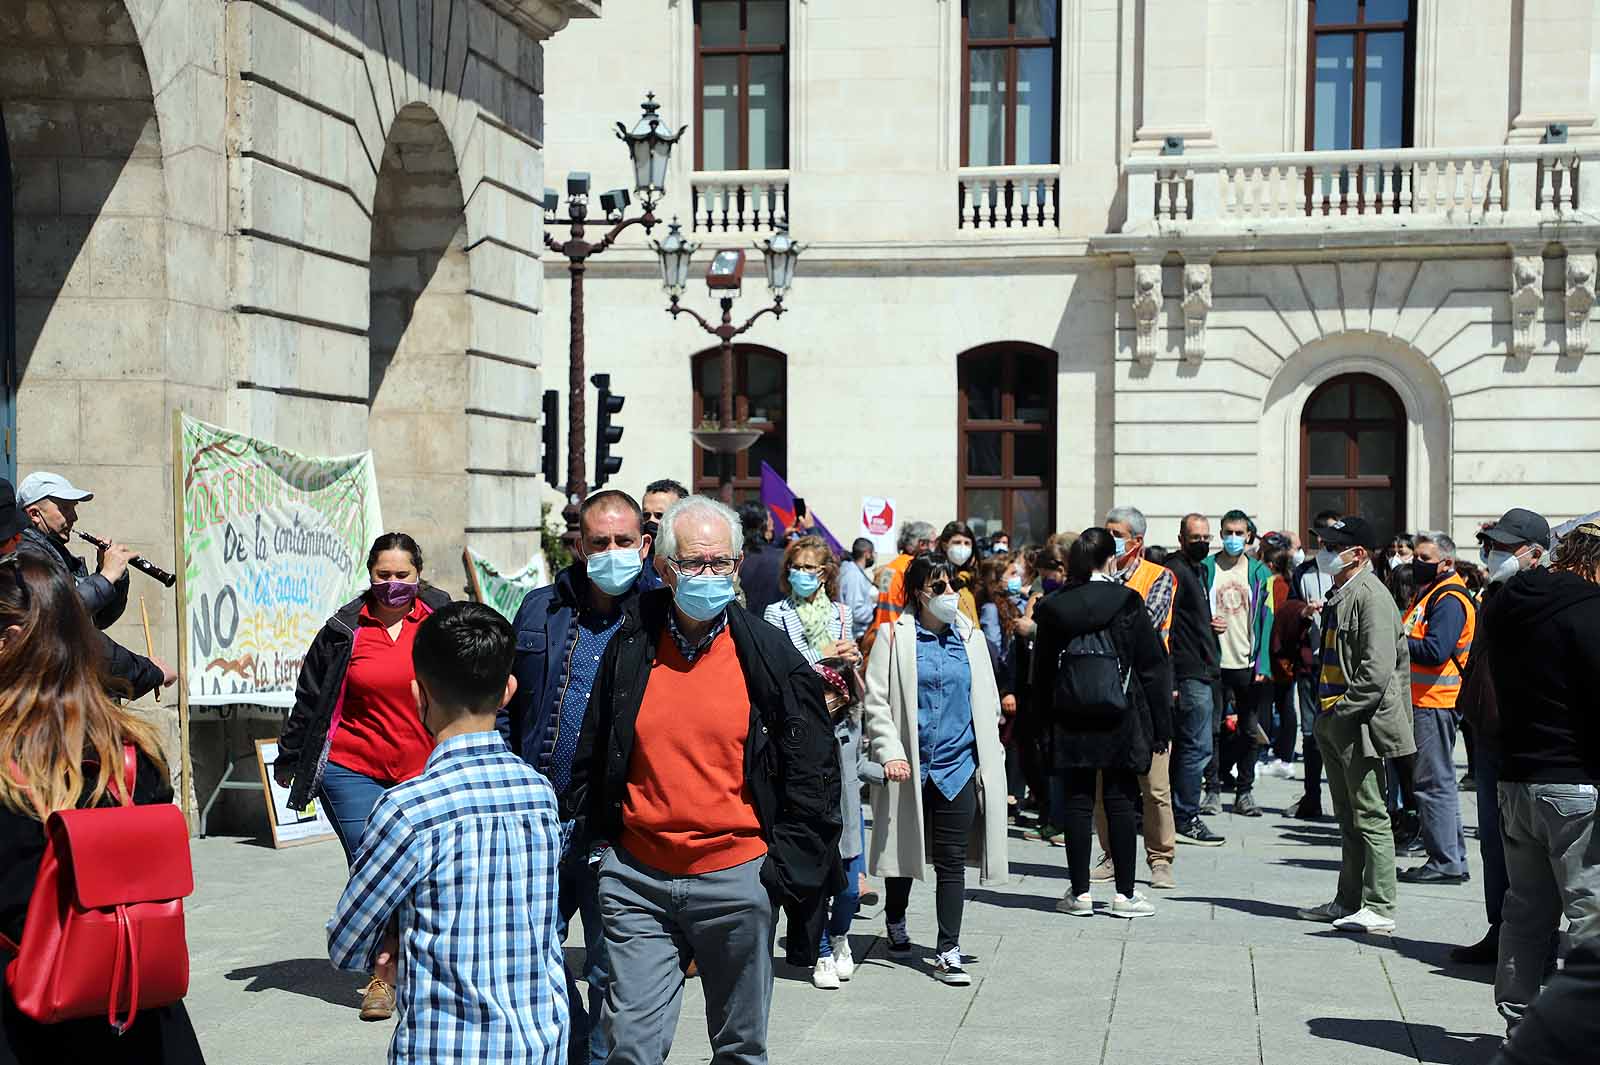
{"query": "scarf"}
{"type": "Point", "coordinates": [815, 613]}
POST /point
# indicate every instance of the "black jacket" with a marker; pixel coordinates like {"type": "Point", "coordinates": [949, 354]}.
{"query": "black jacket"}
{"type": "Point", "coordinates": [1090, 607]}
{"type": "Point", "coordinates": [304, 743]}
{"type": "Point", "coordinates": [758, 576]}
{"type": "Point", "coordinates": [1195, 652]}
{"type": "Point", "coordinates": [791, 756]}
{"type": "Point", "coordinates": [1543, 630]}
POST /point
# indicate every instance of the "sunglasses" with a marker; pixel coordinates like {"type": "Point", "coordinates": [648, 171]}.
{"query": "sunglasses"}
{"type": "Point", "coordinates": [940, 585]}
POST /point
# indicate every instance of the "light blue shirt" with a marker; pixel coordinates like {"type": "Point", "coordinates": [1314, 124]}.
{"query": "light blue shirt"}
{"type": "Point", "coordinates": [946, 742]}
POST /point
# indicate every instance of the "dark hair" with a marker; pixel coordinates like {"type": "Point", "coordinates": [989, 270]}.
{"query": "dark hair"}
{"type": "Point", "coordinates": [1402, 585]}
{"type": "Point", "coordinates": [666, 484]}
{"type": "Point", "coordinates": [1155, 553]}
{"type": "Point", "coordinates": [1280, 560]}
{"type": "Point", "coordinates": [991, 588]}
{"type": "Point", "coordinates": [1324, 519]}
{"type": "Point", "coordinates": [957, 528]}
{"type": "Point", "coordinates": [921, 573]}
{"type": "Point", "coordinates": [395, 541]}
{"type": "Point", "coordinates": [861, 547]}
{"type": "Point", "coordinates": [610, 499]}
{"type": "Point", "coordinates": [1578, 552]}
{"type": "Point", "coordinates": [999, 534]}
{"type": "Point", "coordinates": [1237, 515]}
{"type": "Point", "coordinates": [463, 653]}
{"type": "Point", "coordinates": [1091, 550]}
{"type": "Point", "coordinates": [1050, 556]}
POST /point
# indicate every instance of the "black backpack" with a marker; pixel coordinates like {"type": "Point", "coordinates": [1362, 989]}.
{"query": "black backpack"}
{"type": "Point", "coordinates": [1091, 689]}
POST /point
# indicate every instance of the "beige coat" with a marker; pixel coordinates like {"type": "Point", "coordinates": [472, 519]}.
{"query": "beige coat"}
{"type": "Point", "coordinates": [900, 842]}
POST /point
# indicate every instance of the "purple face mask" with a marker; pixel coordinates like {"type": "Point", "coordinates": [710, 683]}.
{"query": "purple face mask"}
{"type": "Point", "coordinates": [395, 594]}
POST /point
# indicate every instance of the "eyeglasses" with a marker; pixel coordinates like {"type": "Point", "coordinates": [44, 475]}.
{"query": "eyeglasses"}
{"type": "Point", "coordinates": [699, 567]}
{"type": "Point", "coordinates": [803, 568]}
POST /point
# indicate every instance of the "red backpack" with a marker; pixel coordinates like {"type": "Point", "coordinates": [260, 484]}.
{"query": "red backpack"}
{"type": "Point", "coordinates": [104, 932]}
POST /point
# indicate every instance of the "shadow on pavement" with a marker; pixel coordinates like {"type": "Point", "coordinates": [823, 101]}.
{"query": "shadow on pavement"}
{"type": "Point", "coordinates": [1438, 956]}
{"type": "Point", "coordinates": [1325, 864]}
{"type": "Point", "coordinates": [1012, 901]}
{"type": "Point", "coordinates": [1034, 869]}
{"type": "Point", "coordinates": [1427, 1043]}
{"type": "Point", "coordinates": [1254, 907]}
{"type": "Point", "coordinates": [311, 977]}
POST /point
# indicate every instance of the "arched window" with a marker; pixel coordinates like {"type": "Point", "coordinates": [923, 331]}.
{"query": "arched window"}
{"type": "Point", "coordinates": [1353, 453]}
{"type": "Point", "coordinates": [1007, 452]}
{"type": "Point", "coordinates": [760, 400]}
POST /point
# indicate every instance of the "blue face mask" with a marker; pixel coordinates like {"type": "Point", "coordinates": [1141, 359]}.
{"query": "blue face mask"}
{"type": "Point", "coordinates": [614, 572]}
{"type": "Point", "coordinates": [1233, 544]}
{"type": "Point", "coordinates": [1014, 585]}
{"type": "Point", "coordinates": [1119, 547]}
{"type": "Point", "coordinates": [804, 584]}
{"type": "Point", "coordinates": [704, 597]}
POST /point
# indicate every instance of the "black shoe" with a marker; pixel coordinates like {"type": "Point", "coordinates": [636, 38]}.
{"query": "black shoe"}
{"type": "Point", "coordinates": [1425, 874]}
{"type": "Point", "coordinates": [1409, 847]}
{"type": "Point", "coordinates": [1245, 806]}
{"type": "Point", "coordinates": [1211, 805]}
{"type": "Point", "coordinates": [1485, 951]}
{"type": "Point", "coordinates": [1468, 783]}
{"type": "Point", "coordinates": [1197, 834]}
{"type": "Point", "coordinates": [1309, 808]}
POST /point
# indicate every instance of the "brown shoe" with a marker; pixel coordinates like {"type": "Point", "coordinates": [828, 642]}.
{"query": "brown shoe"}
{"type": "Point", "coordinates": [692, 972]}
{"type": "Point", "coordinates": [377, 1001]}
{"type": "Point", "coordinates": [1104, 872]}
{"type": "Point", "coordinates": [1161, 877]}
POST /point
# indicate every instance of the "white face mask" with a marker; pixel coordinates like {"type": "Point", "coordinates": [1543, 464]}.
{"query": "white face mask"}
{"type": "Point", "coordinates": [1299, 556]}
{"type": "Point", "coordinates": [1330, 563]}
{"type": "Point", "coordinates": [1502, 565]}
{"type": "Point", "coordinates": [1395, 561]}
{"type": "Point", "coordinates": [960, 554]}
{"type": "Point", "coordinates": [945, 607]}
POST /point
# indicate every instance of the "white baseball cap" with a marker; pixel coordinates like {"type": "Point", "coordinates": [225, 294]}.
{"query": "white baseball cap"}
{"type": "Point", "coordinates": [37, 486]}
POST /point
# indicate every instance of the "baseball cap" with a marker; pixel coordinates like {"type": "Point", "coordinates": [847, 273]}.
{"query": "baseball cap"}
{"type": "Point", "coordinates": [1518, 526]}
{"type": "Point", "coordinates": [1349, 532]}
{"type": "Point", "coordinates": [11, 519]}
{"type": "Point", "coordinates": [37, 486]}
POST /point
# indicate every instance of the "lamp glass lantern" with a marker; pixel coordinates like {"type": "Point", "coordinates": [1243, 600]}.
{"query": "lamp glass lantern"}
{"type": "Point", "coordinates": [675, 254]}
{"type": "Point", "coordinates": [650, 147]}
{"type": "Point", "coordinates": [781, 253]}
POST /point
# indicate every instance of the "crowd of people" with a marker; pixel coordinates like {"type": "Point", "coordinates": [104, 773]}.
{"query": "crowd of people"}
{"type": "Point", "coordinates": [680, 739]}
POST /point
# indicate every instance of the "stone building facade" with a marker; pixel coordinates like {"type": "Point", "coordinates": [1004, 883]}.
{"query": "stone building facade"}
{"type": "Point", "coordinates": [1180, 254]}
{"type": "Point", "coordinates": [307, 220]}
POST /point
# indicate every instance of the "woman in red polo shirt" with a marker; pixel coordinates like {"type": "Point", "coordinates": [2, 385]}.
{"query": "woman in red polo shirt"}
{"type": "Point", "coordinates": [354, 731]}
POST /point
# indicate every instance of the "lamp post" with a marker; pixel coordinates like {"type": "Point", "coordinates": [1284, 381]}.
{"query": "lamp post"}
{"type": "Point", "coordinates": [724, 279]}
{"type": "Point", "coordinates": [649, 144]}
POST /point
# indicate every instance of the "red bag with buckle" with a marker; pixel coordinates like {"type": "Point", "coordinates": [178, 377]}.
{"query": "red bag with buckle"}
{"type": "Point", "coordinates": [104, 934]}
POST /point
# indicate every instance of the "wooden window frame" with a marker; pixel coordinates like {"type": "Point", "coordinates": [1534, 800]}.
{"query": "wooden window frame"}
{"type": "Point", "coordinates": [707, 480]}
{"type": "Point", "coordinates": [743, 51]}
{"type": "Point", "coordinates": [1013, 46]}
{"type": "Point", "coordinates": [1352, 481]}
{"type": "Point", "coordinates": [1358, 102]}
{"type": "Point", "coordinates": [1008, 482]}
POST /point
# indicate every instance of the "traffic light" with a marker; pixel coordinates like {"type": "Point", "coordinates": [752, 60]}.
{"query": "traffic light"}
{"type": "Point", "coordinates": [550, 431]}
{"type": "Point", "coordinates": [606, 435]}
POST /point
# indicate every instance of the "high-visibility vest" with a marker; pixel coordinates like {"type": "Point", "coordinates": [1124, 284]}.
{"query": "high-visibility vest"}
{"type": "Point", "coordinates": [891, 597]}
{"type": "Point", "coordinates": [1142, 579]}
{"type": "Point", "coordinates": [1438, 686]}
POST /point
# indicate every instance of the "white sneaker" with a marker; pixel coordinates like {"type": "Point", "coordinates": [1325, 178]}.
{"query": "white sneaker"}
{"type": "Point", "coordinates": [1327, 913]}
{"type": "Point", "coordinates": [1076, 906]}
{"type": "Point", "coordinates": [844, 966]}
{"type": "Point", "coordinates": [825, 977]}
{"type": "Point", "coordinates": [1278, 768]}
{"type": "Point", "coordinates": [1136, 906]}
{"type": "Point", "coordinates": [1365, 920]}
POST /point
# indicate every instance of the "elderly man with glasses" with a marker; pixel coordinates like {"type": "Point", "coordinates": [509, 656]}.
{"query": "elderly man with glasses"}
{"type": "Point", "coordinates": [706, 789]}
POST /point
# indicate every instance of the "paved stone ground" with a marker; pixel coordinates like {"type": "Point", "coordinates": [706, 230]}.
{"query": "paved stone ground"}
{"type": "Point", "coordinates": [1223, 974]}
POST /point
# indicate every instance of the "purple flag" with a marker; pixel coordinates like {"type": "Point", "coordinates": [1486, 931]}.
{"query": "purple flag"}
{"type": "Point", "coordinates": [778, 498]}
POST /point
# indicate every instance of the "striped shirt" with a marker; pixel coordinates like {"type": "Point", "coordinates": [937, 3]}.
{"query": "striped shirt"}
{"type": "Point", "coordinates": [464, 856]}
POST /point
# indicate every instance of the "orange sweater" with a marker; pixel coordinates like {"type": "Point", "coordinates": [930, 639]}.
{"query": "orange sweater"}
{"type": "Point", "coordinates": [687, 810]}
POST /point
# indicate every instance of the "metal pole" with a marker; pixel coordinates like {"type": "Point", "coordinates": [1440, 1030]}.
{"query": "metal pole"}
{"type": "Point", "coordinates": [576, 380]}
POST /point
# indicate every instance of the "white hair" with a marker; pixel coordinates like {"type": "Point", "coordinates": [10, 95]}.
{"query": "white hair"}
{"type": "Point", "coordinates": [698, 507]}
{"type": "Point", "coordinates": [1132, 517]}
{"type": "Point", "coordinates": [1441, 540]}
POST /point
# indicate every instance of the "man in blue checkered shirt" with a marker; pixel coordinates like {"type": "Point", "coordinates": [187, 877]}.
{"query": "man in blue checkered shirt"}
{"type": "Point", "coordinates": [463, 861]}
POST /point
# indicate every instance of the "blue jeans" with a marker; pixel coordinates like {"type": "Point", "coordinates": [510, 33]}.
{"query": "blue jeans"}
{"type": "Point", "coordinates": [1191, 741]}
{"type": "Point", "coordinates": [580, 894]}
{"type": "Point", "coordinates": [350, 797]}
{"type": "Point", "coordinates": [844, 905]}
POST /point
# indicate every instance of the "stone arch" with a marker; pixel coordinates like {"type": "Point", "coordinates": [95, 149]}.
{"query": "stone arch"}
{"type": "Point", "coordinates": [419, 334]}
{"type": "Point", "coordinates": [1399, 365]}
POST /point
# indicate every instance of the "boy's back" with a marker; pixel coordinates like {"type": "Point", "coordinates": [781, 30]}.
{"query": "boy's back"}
{"type": "Point", "coordinates": [465, 857]}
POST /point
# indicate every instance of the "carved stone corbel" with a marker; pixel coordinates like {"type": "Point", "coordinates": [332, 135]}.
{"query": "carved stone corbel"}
{"type": "Point", "coordinates": [1196, 306]}
{"type": "Point", "coordinates": [1527, 297]}
{"type": "Point", "coordinates": [1146, 310]}
{"type": "Point", "coordinates": [1580, 300]}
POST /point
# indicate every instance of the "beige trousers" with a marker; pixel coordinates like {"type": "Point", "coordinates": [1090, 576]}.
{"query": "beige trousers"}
{"type": "Point", "coordinates": [1160, 833]}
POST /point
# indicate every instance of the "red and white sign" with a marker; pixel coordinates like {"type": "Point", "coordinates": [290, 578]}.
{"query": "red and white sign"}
{"type": "Point", "coordinates": [877, 523]}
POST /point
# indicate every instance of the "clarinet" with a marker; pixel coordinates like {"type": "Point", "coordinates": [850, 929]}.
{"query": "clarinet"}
{"type": "Point", "coordinates": [138, 562]}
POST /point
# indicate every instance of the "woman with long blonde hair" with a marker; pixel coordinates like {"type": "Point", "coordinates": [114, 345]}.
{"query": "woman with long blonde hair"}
{"type": "Point", "coordinates": [62, 739]}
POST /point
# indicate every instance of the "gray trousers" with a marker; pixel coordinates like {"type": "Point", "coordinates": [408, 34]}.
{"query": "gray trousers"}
{"type": "Point", "coordinates": [655, 923]}
{"type": "Point", "coordinates": [1553, 858]}
{"type": "Point", "coordinates": [1438, 796]}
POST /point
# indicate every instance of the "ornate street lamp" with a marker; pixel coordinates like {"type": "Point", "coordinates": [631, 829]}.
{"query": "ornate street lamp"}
{"type": "Point", "coordinates": [651, 150]}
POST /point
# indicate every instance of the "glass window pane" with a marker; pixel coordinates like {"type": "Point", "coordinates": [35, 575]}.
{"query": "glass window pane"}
{"type": "Point", "coordinates": [1035, 386]}
{"type": "Point", "coordinates": [1335, 91]}
{"type": "Point", "coordinates": [983, 454]}
{"type": "Point", "coordinates": [1036, 112]}
{"type": "Point", "coordinates": [1386, 86]}
{"type": "Point", "coordinates": [1320, 499]}
{"type": "Point", "coordinates": [1376, 453]}
{"type": "Point", "coordinates": [719, 23]}
{"type": "Point", "coordinates": [1335, 12]}
{"type": "Point", "coordinates": [983, 510]}
{"type": "Point", "coordinates": [1327, 453]}
{"type": "Point", "coordinates": [980, 382]}
{"type": "Point", "coordinates": [766, 21]}
{"type": "Point", "coordinates": [1037, 18]}
{"type": "Point", "coordinates": [1372, 401]}
{"type": "Point", "coordinates": [1377, 506]}
{"type": "Point", "coordinates": [1030, 516]}
{"type": "Point", "coordinates": [986, 108]}
{"type": "Point", "coordinates": [1387, 10]}
{"type": "Point", "coordinates": [708, 386]}
{"type": "Point", "coordinates": [1030, 455]}
{"type": "Point", "coordinates": [769, 449]}
{"type": "Point", "coordinates": [1331, 403]}
{"type": "Point", "coordinates": [988, 19]}
{"type": "Point", "coordinates": [719, 117]}
{"type": "Point", "coordinates": [769, 139]}
{"type": "Point", "coordinates": [765, 374]}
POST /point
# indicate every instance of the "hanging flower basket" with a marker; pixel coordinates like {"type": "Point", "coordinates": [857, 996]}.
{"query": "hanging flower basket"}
{"type": "Point", "coordinates": [729, 441]}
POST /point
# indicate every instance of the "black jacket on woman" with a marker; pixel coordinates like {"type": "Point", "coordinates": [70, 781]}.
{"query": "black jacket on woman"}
{"type": "Point", "coordinates": [306, 736]}
{"type": "Point", "coordinates": [158, 1036]}
{"type": "Point", "coordinates": [1086, 608]}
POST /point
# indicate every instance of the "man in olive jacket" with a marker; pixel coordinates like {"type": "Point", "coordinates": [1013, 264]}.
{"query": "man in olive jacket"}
{"type": "Point", "coordinates": [1364, 716]}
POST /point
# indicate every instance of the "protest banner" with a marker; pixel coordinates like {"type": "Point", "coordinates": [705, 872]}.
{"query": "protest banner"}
{"type": "Point", "coordinates": [878, 520]}
{"type": "Point", "coordinates": [504, 592]}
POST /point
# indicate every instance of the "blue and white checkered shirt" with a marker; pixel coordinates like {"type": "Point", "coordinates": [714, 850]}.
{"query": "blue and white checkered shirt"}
{"type": "Point", "coordinates": [465, 857]}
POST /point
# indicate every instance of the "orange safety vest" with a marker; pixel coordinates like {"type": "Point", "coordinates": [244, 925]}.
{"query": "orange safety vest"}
{"type": "Point", "coordinates": [1143, 579]}
{"type": "Point", "coordinates": [891, 597]}
{"type": "Point", "coordinates": [1438, 686]}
